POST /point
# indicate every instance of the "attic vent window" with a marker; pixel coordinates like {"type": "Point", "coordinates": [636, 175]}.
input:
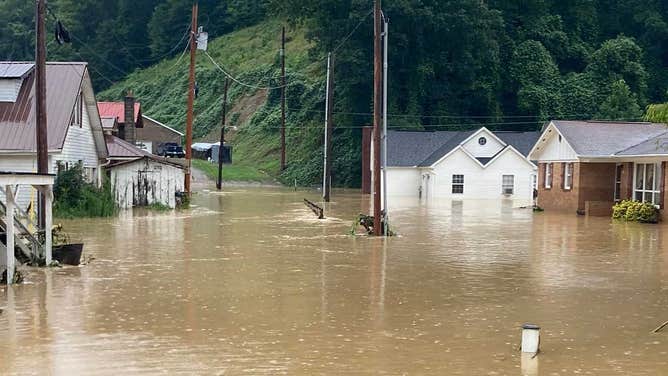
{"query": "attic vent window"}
{"type": "Point", "coordinates": [482, 141]}
{"type": "Point", "coordinates": [9, 89]}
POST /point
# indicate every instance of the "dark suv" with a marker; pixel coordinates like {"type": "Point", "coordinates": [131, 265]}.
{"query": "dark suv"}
{"type": "Point", "coordinates": [171, 150]}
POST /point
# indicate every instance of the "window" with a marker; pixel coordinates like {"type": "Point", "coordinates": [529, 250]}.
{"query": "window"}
{"type": "Point", "coordinates": [482, 141]}
{"type": "Point", "coordinates": [77, 114]}
{"type": "Point", "coordinates": [568, 175]}
{"type": "Point", "coordinates": [548, 175]}
{"type": "Point", "coordinates": [618, 182]}
{"type": "Point", "coordinates": [457, 184]}
{"type": "Point", "coordinates": [508, 184]}
{"type": "Point", "coordinates": [647, 182]}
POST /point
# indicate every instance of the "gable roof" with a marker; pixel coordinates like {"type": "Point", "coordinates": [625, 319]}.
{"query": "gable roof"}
{"type": "Point", "coordinates": [424, 148]}
{"type": "Point", "coordinates": [12, 69]}
{"type": "Point", "coordinates": [162, 125]}
{"type": "Point", "coordinates": [117, 110]}
{"type": "Point", "coordinates": [150, 157]}
{"type": "Point", "coordinates": [654, 146]}
{"type": "Point", "coordinates": [605, 139]}
{"type": "Point", "coordinates": [119, 148]}
{"type": "Point", "coordinates": [17, 119]}
{"type": "Point", "coordinates": [410, 148]}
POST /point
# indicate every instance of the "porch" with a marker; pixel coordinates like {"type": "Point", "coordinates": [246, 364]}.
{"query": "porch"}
{"type": "Point", "coordinates": [15, 226]}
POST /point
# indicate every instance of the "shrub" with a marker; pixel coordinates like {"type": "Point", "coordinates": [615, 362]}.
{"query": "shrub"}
{"type": "Point", "coordinates": [635, 211]}
{"type": "Point", "coordinates": [75, 198]}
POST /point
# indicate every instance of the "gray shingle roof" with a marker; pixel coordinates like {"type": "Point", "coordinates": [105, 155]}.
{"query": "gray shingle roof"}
{"type": "Point", "coordinates": [447, 147]}
{"type": "Point", "coordinates": [408, 149]}
{"type": "Point", "coordinates": [522, 141]}
{"type": "Point", "coordinates": [655, 145]}
{"type": "Point", "coordinates": [593, 138]}
{"type": "Point", "coordinates": [421, 148]}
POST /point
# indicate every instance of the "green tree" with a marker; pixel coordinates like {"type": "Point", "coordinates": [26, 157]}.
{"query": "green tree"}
{"type": "Point", "coordinates": [621, 104]}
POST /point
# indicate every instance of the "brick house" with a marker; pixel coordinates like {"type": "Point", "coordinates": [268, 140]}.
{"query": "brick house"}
{"type": "Point", "coordinates": [585, 167]}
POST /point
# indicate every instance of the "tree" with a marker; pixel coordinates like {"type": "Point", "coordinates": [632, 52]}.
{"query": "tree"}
{"type": "Point", "coordinates": [621, 104]}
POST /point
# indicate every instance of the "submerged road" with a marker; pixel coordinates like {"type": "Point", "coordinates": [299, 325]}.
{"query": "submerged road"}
{"type": "Point", "coordinates": [250, 282]}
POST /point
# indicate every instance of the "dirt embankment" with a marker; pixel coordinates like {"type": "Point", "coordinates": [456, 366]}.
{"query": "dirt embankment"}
{"type": "Point", "coordinates": [238, 116]}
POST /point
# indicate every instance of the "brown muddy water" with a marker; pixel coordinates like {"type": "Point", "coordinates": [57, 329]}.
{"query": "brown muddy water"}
{"type": "Point", "coordinates": [250, 283]}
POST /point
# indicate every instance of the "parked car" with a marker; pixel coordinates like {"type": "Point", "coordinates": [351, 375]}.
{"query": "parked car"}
{"type": "Point", "coordinates": [171, 150]}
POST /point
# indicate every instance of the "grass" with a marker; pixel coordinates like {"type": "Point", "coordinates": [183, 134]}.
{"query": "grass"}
{"type": "Point", "coordinates": [233, 172]}
{"type": "Point", "coordinates": [252, 55]}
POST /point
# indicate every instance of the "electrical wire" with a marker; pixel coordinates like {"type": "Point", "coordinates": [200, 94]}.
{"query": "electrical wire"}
{"type": "Point", "coordinates": [345, 39]}
{"type": "Point", "coordinates": [239, 81]}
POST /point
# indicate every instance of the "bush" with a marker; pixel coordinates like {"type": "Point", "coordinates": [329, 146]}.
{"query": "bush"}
{"type": "Point", "coordinates": [635, 211]}
{"type": "Point", "coordinates": [75, 198]}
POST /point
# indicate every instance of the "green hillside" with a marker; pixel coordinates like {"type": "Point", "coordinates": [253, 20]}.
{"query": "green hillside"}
{"type": "Point", "coordinates": [252, 56]}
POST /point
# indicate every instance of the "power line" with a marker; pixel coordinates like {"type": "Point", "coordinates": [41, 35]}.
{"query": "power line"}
{"type": "Point", "coordinates": [345, 39]}
{"type": "Point", "coordinates": [239, 81]}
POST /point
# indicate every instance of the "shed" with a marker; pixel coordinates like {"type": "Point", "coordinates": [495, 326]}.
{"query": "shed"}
{"type": "Point", "coordinates": [145, 181]}
{"type": "Point", "coordinates": [227, 153]}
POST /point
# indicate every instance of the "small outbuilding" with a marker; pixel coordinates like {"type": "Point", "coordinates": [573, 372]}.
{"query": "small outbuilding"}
{"type": "Point", "coordinates": [146, 181]}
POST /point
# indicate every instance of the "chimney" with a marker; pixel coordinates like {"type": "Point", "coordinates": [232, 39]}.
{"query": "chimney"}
{"type": "Point", "coordinates": [129, 124]}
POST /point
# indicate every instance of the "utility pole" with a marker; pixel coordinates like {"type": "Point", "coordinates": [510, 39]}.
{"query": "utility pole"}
{"type": "Point", "coordinates": [191, 99]}
{"type": "Point", "coordinates": [329, 105]}
{"type": "Point", "coordinates": [41, 139]}
{"type": "Point", "coordinates": [385, 35]}
{"type": "Point", "coordinates": [283, 99]}
{"type": "Point", "coordinates": [377, 89]}
{"type": "Point", "coordinates": [219, 184]}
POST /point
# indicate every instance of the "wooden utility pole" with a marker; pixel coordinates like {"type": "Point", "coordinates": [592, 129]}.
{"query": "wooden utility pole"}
{"type": "Point", "coordinates": [191, 98]}
{"type": "Point", "coordinates": [329, 105]}
{"type": "Point", "coordinates": [283, 99]}
{"type": "Point", "coordinates": [377, 90]}
{"type": "Point", "coordinates": [219, 184]}
{"type": "Point", "coordinates": [41, 139]}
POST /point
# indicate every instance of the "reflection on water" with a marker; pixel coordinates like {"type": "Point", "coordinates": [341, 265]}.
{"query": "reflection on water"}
{"type": "Point", "coordinates": [249, 282]}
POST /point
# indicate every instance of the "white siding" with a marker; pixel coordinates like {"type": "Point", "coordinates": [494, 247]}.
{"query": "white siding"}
{"type": "Point", "coordinates": [491, 147]}
{"type": "Point", "coordinates": [20, 163]}
{"type": "Point", "coordinates": [553, 149]}
{"type": "Point", "coordinates": [9, 89]}
{"type": "Point", "coordinates": [161, 184]}
{"type": "Point", "coordinates": [79, 146]}
{"type": "Point", "coordinates": [483, 183]}
{"type": "Point", "coordinates": [403, 181]}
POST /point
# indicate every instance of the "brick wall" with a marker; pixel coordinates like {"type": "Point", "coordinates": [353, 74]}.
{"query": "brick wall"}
{"type": "Point", "coordinates": [597, 183]}
{"type": "Point", "coordinates": [557, 198]}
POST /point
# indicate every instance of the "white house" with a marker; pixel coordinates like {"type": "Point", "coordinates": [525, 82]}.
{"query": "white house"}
{"type": "Point", "coordinates": [74, 129]}
{"type": "Point", "coordinates": [461, 164]}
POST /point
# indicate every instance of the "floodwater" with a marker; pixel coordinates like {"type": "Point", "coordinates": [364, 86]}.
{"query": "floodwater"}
{"type": "Point", "coordinates": [250, 283]}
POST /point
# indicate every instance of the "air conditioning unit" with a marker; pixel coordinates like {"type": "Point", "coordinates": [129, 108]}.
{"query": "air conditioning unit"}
{"type": "Point", "coordinates": [507, 191]}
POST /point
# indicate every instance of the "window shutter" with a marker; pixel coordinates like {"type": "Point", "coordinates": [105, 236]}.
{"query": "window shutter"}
{"type": "Point", "coordinates": [564, 166]}
{"type": "Point", "coordinates": [551, 175]}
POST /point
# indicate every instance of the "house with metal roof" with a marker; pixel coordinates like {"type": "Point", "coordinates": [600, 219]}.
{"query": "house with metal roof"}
{"type": "Point", "coordinates": [478, 164]}
{"type": "Point", "coordinates": [586, 166]}
{"type": "Point", "coordinates": [74, 129]}
{"type": "Point", "coordinates": [125, 120]}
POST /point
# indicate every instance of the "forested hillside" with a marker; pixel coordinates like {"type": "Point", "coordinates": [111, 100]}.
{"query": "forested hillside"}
{"type": "Point", "coordinates": [453, 63]}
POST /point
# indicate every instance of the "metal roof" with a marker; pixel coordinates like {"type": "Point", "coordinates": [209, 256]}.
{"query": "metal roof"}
{"type": "Point", "coordinates": [603, 139]}
{"type": "Point", "coordinates": [119, 148]}
{"type": "Point", "coordinates": [117, 110]}
{"type": "Point", "coordinates": [17, 120]}
{"type": "Point", "coordinates": [12, 69]}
